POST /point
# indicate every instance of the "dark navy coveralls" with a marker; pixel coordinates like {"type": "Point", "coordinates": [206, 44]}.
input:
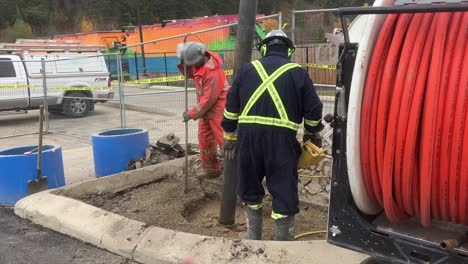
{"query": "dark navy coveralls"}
{"type": "Point", "coordinates": [267, 118]}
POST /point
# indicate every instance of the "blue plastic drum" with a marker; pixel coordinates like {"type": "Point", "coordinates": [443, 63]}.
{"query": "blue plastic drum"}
{"type": "Point", "coordinates": [17, 168]}
{"type": "Point", "coordinates": [113, 149]}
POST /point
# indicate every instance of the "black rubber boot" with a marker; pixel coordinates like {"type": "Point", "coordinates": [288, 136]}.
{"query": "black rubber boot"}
{"type": "Point", "coordinates": [254, 221]}
{"type": "Point", "coordinates": [284, 229]}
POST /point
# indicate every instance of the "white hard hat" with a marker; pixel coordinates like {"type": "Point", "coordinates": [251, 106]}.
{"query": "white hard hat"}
{"type": "Point", "coordinates": [277, 37]}
{"type": "Point", "coordinates": [191, 52]}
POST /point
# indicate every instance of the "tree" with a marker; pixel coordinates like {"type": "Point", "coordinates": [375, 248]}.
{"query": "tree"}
{"type": "Point", "coordinates": [19, 30]}
{"type": "Point", "coordinates": [86, 25]}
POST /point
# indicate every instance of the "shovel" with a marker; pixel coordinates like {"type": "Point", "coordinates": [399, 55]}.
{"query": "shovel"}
{"type": "Point", "coordinates": [40, 184]}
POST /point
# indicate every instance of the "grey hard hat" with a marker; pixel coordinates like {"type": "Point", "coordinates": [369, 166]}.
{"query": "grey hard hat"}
{"type": "Point", "coordinates": [193, 52]}
{"type": "Point", "coordinates": [276, 37]}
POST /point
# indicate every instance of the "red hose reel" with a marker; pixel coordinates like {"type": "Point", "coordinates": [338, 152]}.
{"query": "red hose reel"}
{"type": "Point", "coordinates": [414, 127]}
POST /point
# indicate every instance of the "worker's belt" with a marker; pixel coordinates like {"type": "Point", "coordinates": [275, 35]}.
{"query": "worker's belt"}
{"type": "Point", "coordinates": [267, 85]}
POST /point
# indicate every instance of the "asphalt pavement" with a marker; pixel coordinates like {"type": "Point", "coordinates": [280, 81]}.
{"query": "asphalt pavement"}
{"type": "Point", "coordinates": [22, 242]}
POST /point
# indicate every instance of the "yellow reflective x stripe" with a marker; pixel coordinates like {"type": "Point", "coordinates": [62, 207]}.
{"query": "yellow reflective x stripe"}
{"type": "Point", "coordinates": [277, 216]}
{"type": "Point", "coordinates": [255, 206]}
{"type": "Point", "coordinates": [312, 122]}
{"type": "Point", "coordinates": [231, 116]}
{"type": "Point", "coordinates": [263, 87]}
{"type": "Point", "coordinates": [271, 90]}
{"type": "Point", "coordinates": [269, 121]}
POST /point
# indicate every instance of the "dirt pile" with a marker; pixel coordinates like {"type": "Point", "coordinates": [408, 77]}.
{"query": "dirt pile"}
{"type": "Point", "coordinates": [164, 204]}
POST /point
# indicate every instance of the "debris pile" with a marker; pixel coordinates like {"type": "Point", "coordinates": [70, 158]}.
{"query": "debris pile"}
{"type": "Point", "coordinates": [167, 148]}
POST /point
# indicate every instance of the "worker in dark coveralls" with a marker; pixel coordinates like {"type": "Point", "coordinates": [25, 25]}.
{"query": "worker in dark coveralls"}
{"type": "Point", "coordinates": [267, 102]}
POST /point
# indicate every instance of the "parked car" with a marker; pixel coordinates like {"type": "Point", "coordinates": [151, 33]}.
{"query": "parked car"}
{"type": "Point", "coordinates": [85, 78]}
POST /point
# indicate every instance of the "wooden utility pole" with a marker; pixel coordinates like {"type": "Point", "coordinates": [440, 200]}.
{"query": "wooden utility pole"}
{"type": "Point", "coordinates": [243, 54]}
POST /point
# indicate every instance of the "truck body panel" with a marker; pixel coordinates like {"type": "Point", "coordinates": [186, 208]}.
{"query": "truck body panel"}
{"type": "Point", "coordinates": [21, 83]}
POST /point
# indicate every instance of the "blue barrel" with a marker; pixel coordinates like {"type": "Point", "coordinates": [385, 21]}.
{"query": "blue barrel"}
{"type": "Point", "coordinates": [113, 149]}
{"type": "Point", "coordinates": [17, 168]}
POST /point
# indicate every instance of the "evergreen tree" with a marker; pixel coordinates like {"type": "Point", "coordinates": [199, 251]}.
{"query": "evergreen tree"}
{"type": "Point", "coordinates": [19, 30]}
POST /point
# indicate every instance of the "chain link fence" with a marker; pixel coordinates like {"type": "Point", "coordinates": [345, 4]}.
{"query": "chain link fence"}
{"type": "Point", "coordinates": [80, 95]}
{"type": "Point", "coordinates": [153, 85]}
{"type": "Point", "coordinates": [19, 89]}
{"type": "Point", "coordinates": [147, 89]}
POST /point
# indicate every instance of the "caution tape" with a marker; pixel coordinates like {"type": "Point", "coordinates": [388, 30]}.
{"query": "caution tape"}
{"type": "Point", "coordinates": [318, 66]}
{"type": "Point", "coordinates": [158, 80]}
{"type": "Point", "coordinates": [178, 78]}
{"type": "Point", "coordinates": [83, 88]}
{"type": "Point", "coordinates": [167, 79]}
{"type": "Point", "coordinates": [58, 88]}
{"type": "Point", "coordinates": [17, 86]}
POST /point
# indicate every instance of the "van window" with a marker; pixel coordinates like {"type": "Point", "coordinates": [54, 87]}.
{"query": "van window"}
{"type": "Point", "coordinates": [7, 70]}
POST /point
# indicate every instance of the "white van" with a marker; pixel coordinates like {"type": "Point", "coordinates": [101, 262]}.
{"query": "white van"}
{"type": "Point", "coordinates": [67, 75]}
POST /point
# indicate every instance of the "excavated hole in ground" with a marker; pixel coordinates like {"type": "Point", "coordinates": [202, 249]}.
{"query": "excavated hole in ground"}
{"type": "Point", "coordinates": [164, 204]}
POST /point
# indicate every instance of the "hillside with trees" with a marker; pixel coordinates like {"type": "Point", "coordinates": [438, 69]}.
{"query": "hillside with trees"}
{"type": "Point", "coordinates": [42, 18]}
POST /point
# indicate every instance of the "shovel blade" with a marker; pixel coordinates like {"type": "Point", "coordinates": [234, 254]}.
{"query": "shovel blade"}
{"type": "Point", "coordinates": [38, 185]}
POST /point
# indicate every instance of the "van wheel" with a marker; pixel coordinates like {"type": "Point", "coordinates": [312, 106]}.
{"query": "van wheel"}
{"type": "Point", "coordinates": [76, 107]}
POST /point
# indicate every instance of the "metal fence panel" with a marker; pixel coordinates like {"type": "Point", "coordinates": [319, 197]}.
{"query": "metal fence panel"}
{"type": "Point", "coordinates": [17, 92]}
{"type": "Point", "coordinates": [154, 87]}
{"type": "Point", "coordinates": [80, 100]}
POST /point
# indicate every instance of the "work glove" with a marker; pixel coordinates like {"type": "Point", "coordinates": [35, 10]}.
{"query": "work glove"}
{"type": "Point", "coordinates": [230, 146]}
{"type": "Point", "coordinates": [186, 117]}
{"type": "Point", "coordinates": [315, 138]}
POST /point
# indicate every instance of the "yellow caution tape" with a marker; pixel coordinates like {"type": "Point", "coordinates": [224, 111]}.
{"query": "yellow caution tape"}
{"type": "Point", "coordinates": [159, 80]}
{"type": "Point", "coordinates": [60, 88]}
{"type": "Point", "coordinates": [178, 78]}
{"type": "Point", "coordinates": [318, 66]}
{"type": "Point", "coordinates": [167, 79]}
{"type": "Point", "coordinates": [83, 88]}
{"type": "Point", "coordinates": [16, 86]}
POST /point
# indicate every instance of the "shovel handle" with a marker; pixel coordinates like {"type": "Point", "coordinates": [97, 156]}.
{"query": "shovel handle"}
{"type": "Point", "coordinates": [39, 146]}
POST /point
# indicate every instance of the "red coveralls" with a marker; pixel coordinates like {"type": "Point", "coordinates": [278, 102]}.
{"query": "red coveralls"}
{"type": "Point", "coordinates": [211, 86]}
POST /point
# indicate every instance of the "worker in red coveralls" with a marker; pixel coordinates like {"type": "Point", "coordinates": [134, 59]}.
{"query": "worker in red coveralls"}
{"type": "Point", "coordinates": [211, 86]}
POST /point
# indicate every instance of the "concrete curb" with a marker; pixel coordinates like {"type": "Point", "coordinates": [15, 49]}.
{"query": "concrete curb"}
{"type": "Point", "coordinates": [168, 246]}
{"type": "Point", "coordinates": [149, 244]}
{"type": "Point", "coordinates": [113, 232]}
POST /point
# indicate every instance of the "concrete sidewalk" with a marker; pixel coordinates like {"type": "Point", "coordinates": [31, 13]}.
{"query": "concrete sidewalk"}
{"type": "Point", "coordinates": [151, 244]}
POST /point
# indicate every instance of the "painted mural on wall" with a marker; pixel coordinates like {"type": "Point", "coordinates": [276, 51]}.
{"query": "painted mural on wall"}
{"type": "Point", "coordinates": [160, 57]}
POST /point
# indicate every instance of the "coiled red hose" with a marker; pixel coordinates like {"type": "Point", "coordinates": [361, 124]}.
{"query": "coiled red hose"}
{"type": "Point", "coordinates": [414, 127]}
